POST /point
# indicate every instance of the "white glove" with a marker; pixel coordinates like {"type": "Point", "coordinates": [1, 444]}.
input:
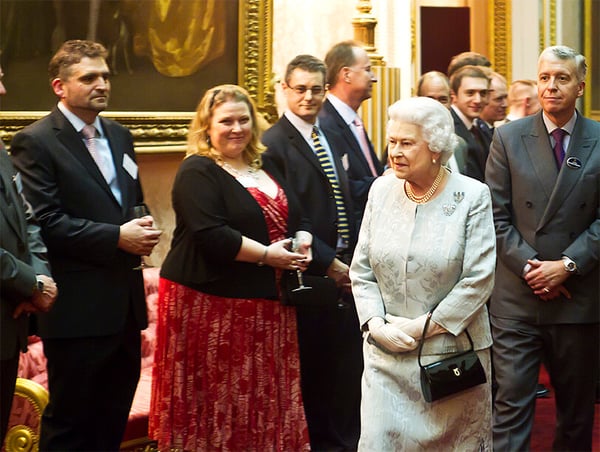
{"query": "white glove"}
{"type": "Point", "coordinates": [390, 336]}
{"type": "Point", "coordinates": [397, 320]}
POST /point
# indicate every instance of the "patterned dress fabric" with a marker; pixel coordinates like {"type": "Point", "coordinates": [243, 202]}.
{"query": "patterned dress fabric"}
{"type": "Point", "coordinates": [227, 370]}
{"type": "Point", "coordinates": [409, 257]}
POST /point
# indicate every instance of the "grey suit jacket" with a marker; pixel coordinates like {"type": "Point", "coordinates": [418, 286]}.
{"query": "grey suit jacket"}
{"type": "Point", "coordinates": [22, 257]}
{"type": "Point", "coordinates": [542, 213]}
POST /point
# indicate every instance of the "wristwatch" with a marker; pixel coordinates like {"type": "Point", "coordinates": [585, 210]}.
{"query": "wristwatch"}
{"type": "Point", "coordinates": [39, 285]}
{"type": "Point", "coordinates": [570, 265]}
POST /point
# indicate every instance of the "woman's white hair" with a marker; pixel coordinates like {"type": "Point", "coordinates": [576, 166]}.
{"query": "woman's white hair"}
{"type": "Point", "coordinates": [435, 120]}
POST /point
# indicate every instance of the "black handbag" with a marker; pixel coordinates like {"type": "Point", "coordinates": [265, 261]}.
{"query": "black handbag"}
{"type": "Point", "coordinates": [451, 375]}
{"type": "Point", "coordinates": [317, 291]}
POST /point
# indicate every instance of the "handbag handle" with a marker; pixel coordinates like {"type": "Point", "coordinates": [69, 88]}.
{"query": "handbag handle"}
{"type": "Point", "coordinates": [425, 331]}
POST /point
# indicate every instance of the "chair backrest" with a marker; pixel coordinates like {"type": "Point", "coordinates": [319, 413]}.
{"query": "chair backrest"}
{"type": "Point", "coordinates": [29, 402]}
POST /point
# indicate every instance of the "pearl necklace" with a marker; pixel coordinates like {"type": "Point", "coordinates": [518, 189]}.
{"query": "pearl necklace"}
{"type": "Point", "coordinates": [427, 196]}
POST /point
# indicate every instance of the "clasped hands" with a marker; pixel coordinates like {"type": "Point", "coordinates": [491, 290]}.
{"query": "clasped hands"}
{"type": "Point", "coordinates": [40, 301]}
{"type": "Point", "coordinates": [546, 279]}
{"type": "Point", "coordinates": [401, 334]}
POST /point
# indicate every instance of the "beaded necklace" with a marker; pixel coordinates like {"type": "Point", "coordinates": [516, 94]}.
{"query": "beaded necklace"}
{"type": "Point", "coordinates": [427, 196]}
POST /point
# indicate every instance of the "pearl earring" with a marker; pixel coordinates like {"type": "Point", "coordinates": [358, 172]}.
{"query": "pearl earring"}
{"type": "Point", "coordinates": [434, 161]}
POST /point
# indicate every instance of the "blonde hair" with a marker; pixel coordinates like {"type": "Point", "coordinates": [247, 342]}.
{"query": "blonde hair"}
{"type": "Point", "coordinates": [198, 141]}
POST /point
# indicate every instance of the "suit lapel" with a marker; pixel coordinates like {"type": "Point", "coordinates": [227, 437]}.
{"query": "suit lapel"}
{"type": "Point", "coordinates": [115, 144]}
{"type": "Point", "coordinates": [301, 146]}
{"type": "Point", "coordinates": [72, 141]}
{"type": "Point", "coordinates": [9, 203]}
{"type": "Point", "coordinates": [344, 130]}
{"type": "Point", "coordinates": [580, 147]}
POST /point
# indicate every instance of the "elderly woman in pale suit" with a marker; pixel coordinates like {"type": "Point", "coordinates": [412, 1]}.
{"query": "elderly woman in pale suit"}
{"type": "Point", "coordinates": [427, 239]}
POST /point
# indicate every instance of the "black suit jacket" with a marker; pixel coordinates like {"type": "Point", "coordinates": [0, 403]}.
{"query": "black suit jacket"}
{"type": "Point", "coordinates": [80, 221]}
{"type": "Point", "coordinates": [210, 225]}
{"type": "Point", "coordinates": [296, 160]}
{"type": "Point", "coordinates": [358, 170]}
{"type": "Point", "coordinates": [22, 257]}
{"type": "Point", "coordinates": [471, 163]}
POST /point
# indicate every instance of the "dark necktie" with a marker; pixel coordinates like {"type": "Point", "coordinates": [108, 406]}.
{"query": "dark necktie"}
{"type": "Point", "coordinates": [559, 152]}
{"type": "Point", "coordinates": [326, 164]}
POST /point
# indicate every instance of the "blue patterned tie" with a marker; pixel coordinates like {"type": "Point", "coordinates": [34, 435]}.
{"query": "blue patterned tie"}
{"type": "Point", "coordinates": [342, 224]}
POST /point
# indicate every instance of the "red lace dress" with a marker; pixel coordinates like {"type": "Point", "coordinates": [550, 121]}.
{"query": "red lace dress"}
{"type": "Point", "coordinates": [226, 374]}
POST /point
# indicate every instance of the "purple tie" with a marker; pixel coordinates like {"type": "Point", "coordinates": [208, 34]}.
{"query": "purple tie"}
{"type": "Point", "coordinates": [559, 152]}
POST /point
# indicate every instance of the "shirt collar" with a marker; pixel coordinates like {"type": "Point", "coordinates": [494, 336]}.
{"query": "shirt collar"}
{"type": "Point", "coordinates": [568, 127]}
{"type": "Point", "coordinates": [77, 122]}
{"type": "Point", "coordinates": [466, 121]}
{"type": "Point", "coordinates": [305, 128]}
{"type": "Point", "coordinates": [345, 111]}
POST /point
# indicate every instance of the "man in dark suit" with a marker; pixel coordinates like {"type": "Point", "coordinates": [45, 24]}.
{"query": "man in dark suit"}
{"type": "Point", "coordinates": [469, 92]}
{"type": "Point", "coordinates": [25, 282]}
{"type": "Point", "coordinates": [544, 175]}
{"type": "Point", "coordinates": [82, 184]}
{"type": "Point", "coordinates": [350, 82]}
{"type": "Point", "coordinates": [310, 159]}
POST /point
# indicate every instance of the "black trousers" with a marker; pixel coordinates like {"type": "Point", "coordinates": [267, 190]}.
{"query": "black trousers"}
{"type": "Point", "coordinates": [331, 365]}
{"type": "Point", "coordinates": [92, 382]}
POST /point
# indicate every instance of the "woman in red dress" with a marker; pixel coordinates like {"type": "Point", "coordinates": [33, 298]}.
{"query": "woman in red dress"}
{"type": "Point", "coordinates": [227, 373]}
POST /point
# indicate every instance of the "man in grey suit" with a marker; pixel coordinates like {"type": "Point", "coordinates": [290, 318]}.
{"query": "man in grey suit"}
{"type": "Point", "coordinates": [25, 281]}
{"type": "Point", "coordinates": [83, 188]}
{"type": "Point", "coordinates": [544, 175]}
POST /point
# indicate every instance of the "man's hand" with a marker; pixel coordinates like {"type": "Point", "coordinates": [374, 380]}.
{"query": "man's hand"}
{"type": "Point", "coordinates": [139, 236]}
{"type": "Point", "coordinates": [546, 279]}
{"type": "Point", "coordinates": [554, 293]}
{"type": "Point", "coordinates": [340, 273]}
{"type": "Point", "coordinates": [40, 301]}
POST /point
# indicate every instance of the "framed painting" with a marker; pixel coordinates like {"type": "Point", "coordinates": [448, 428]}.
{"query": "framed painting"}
{"type": "Point", "coordinates": [163, 54]}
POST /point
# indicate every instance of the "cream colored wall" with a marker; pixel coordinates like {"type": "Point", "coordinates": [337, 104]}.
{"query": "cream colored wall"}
{"type": "Point", "coordinates": [307, 26]}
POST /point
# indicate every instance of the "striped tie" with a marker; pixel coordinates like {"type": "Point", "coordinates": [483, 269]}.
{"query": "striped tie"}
{"type": "Point", "coordinates": [342, 224]}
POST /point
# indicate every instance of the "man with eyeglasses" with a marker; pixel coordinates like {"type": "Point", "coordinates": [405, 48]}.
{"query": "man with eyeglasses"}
{"type": "Point", "coordinates": [310, 158]}
{"type": "Point", "coordinates": [350, 82]}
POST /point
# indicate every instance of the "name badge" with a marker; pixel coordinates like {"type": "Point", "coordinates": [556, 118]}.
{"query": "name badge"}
{"type": "Point", "coordinates": [574, 162]}
{"type": "Point", "coordinates": [18, 183]}
{"type": "Point", "coordinates": [130, 166]}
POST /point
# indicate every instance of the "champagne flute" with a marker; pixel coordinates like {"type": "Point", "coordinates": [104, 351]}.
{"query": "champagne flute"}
{"type": "Point", "coordinates": [139, 211]}
{"type": "Point", "coordinates": [296, 248]}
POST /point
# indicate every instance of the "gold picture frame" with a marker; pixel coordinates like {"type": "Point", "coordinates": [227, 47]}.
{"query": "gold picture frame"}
{"type": "Point", "coordinates": [165, 131]}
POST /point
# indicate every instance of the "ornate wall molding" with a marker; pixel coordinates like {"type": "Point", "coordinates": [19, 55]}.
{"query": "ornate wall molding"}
{"type": "Point", "coordinates": [500, 31]}
{"type": "Point", "coordinates": [167, 131]}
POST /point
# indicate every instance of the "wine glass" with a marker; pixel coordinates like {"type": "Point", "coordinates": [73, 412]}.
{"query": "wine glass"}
{"type": "Point", "coordinates": [139, 211]}
{"type": "Point", "coordinates": [301, 286]}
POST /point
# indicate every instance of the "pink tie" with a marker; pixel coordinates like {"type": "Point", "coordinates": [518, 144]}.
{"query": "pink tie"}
{"type": "Point", "coordinates": [89, 133]}
{"type": "Point", "coordinates": [362, 139]}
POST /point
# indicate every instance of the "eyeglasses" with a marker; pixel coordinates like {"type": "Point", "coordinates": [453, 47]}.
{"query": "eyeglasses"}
{"type": "Point", "coordinates": [301, 90]}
